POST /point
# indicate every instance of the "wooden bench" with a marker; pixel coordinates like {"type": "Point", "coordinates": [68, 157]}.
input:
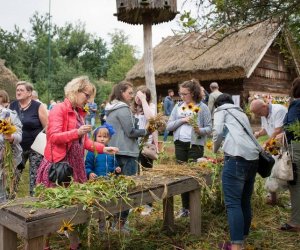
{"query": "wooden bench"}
{"type": "Point", "coordinates": [33, 224]}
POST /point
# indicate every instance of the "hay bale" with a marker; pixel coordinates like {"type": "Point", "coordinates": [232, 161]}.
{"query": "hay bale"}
{"type": "Point", "coordinates": [8, 80]}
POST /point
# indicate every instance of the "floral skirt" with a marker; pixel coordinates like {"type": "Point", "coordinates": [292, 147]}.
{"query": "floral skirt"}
{"type": "Point", "coordinates": [75, 157]}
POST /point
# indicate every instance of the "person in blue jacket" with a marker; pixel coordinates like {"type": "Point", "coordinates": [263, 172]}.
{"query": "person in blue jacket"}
{"type": "Point", "coordinates": [101, 164]}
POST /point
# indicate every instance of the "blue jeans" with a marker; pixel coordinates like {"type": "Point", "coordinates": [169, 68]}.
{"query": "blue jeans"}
{"type": "Point", "coordinates": [129, 166]}
{"type": "Point", "coordinates": [238, 179]}
{"type": "Point", "coordinates": [166, 133]}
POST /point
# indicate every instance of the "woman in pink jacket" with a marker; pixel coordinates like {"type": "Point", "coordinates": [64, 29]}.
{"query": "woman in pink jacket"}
{"type": "Point", "coordinates": [67, 135]}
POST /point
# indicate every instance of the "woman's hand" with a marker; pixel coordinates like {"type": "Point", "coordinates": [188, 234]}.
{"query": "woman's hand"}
{"type": "Point", "coordinates": [110, 150]}
{"type": "Point", "coordinates": [141, 95]}
{"type": "Point", "coordinates": [186, 119]}
{"type": "Point", "coordinates": [84, 129]}
{"type": "Point", "coordinates": [9, 138]}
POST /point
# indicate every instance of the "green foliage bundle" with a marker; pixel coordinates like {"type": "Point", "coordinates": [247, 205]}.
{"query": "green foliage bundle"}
{"type": "Point", "coordinates": [295, 129]}
{"type": "Point", "coordinates": [89, 194]}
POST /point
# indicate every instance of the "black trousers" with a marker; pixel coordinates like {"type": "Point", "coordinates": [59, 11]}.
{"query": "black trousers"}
{"type": "Point", "coordinates": [185, 152]}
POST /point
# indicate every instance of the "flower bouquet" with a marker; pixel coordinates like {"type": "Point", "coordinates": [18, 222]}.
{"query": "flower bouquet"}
{"type": "Point", "coordinates": [7, 129]}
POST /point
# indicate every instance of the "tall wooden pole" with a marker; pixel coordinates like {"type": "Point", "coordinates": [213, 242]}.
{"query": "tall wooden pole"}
{"type": "Point", "coordinates": [148, 58]}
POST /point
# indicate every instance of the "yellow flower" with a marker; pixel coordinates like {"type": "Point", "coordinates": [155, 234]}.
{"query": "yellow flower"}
{"type": "Point", "coordinates": [190, 106]}
{"type": "Point", "coordinates": [6, 127]}
{"type": "Point", "coordinates": [196, 109]}
{"type": "Point", "coordinates": [66, 226]}
{"type": "Point", "coordinates": [209, 145]}
{"type": "Point", "coordinates": [86, 108]}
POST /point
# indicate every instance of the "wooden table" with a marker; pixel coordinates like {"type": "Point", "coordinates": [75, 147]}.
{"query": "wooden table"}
{"type": "Point", "coordinates": [33, 224]}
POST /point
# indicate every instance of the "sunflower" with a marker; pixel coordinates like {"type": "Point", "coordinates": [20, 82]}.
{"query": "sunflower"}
{"type": "Point", "coordinates": [196, 109]}
{"type": "Point", "coordinates": [66, 226]}
{"type": "Point", "coordinates": [6, 127]}
{"type": "Point", "coordinates": [190, 106]}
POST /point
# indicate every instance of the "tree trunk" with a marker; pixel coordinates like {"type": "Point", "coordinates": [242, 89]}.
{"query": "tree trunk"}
{"type": "Point", "coordinates": [148, 58]}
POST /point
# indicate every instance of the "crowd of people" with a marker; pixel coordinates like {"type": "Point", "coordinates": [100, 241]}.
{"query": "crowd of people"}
{"type": "Point", "coordinates": [115, 146]}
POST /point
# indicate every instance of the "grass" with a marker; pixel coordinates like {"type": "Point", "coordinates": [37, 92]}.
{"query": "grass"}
{"type": "Point", "coordinates": [147, 231]}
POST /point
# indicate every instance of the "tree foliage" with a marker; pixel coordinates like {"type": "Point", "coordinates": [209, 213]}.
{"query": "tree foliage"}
{"type": "Point", "coordinates": [215, 14]}
{"type": "Point", "coordinates": [121, 58]}
{"type": "Point", "coordinates": [72, 51]}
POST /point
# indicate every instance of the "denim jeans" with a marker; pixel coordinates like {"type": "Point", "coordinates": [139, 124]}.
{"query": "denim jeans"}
{"type": "Point", "coordinates": [129, 166]}
{"type": "Point", "coordinates": [238, 179]}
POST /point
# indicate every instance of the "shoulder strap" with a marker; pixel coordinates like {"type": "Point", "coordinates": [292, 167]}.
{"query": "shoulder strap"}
{"type": "Point", "coordinates": [247, 132]}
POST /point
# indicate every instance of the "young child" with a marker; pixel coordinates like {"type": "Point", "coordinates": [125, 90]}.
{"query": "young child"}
{"type": "Point", "coordinates": [101, 164]}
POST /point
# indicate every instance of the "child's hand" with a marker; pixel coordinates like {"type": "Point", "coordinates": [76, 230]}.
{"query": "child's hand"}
{"type": "Point", "coordinates": [118, 170]}
{"type": "Point", "coordinates": [111, 150]}
{"type": "Point", "coordinates": [9, 138]}
{"type": "Point", "coordinates": [92, 176]}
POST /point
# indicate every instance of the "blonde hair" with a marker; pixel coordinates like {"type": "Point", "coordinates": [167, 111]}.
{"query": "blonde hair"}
{"type": "Point", "coordinates": [78, 85]}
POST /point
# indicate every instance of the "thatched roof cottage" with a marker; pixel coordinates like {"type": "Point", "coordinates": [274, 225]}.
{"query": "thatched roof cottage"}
{"type": "Point", "coordinates": [8, 80]}
{"type": "Point", "coordinates": [250, 59]}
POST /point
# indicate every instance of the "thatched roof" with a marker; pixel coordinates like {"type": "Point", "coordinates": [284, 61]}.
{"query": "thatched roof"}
{"type": "Point", "coordinates": [205, 57]}
{"type": "Point", "coordinates": [8, 80]}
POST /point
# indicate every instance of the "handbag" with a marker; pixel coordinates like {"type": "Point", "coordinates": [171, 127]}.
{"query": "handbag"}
{"type": "Point", "coordinates": [266, 160]}
{"type": "Point", "coordinates": [149, 151]}
{"type": "Point", "coordinates": [60, 172]}
{"type": "Point", "coordinates": [265, 163]}
{"type": "Point", "coordinates": [39, 143]}
{"type": "Point", "coordinates": [283, 169]}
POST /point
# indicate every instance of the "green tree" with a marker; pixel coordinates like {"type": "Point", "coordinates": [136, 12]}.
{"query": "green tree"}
{"type": "Point", "coordinates": [121, 58]}
{"type": "Point", "coordinates": [94, 57]}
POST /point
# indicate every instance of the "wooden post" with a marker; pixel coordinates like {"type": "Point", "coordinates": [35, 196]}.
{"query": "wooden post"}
{"type": "Point", "coordinates": [35, 243]}
{"type": "Point", "coordinates": [195, 212]}
{"type": "Point", "coordinates": [168, 214]}
{"type": "Point", "coordinates": [148, 57]}
{"type": "Point", "coordinates": [8, 239]}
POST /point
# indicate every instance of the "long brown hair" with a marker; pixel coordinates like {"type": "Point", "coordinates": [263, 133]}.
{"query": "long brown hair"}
{"type": "Point", "coordinates": [118, 90]}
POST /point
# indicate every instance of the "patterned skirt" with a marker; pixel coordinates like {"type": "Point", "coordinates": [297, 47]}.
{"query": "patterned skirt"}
{"type": "Point", "coordinates": [75, 157]}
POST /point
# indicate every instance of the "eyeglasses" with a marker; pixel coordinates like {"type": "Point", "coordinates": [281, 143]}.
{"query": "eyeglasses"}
{"type": "Point", "coordinates": [183, 94]}
{"type": "Point", "coordinates": [86, 95]}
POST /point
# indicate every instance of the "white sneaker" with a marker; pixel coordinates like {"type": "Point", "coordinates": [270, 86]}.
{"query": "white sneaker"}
{"type": "Point", "coordinates": [147, 210]}
{"type": "Point", "coordinates": [183, 213]}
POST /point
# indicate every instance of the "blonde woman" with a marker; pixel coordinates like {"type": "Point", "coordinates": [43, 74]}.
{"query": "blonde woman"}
{"type": "Point", "coordinates": [67, 136]}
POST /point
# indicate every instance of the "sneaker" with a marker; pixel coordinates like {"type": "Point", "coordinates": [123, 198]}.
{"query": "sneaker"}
{"type": "Point", "coordinates": [183, 213]}
{"type": "Point", "coordinates": [147, 210]}
{"type": "Point", "coordinates": [121, 227]}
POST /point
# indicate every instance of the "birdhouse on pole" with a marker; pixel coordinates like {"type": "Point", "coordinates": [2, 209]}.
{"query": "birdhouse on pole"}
{"type": "Point", "coordinates": [147, 13]}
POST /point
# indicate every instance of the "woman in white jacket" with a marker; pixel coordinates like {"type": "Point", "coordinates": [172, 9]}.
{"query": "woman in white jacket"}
{"type": "Point", "coordinates": [240, 166]}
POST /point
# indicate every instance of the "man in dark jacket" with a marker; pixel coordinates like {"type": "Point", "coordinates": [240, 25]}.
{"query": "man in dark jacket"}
{"type": "Point", "coordinates": [168, 107]}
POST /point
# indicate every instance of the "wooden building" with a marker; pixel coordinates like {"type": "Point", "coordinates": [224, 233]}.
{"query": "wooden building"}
{"type": "Point", "coordinates": [8, 80]}
{"type": "Point", "coordinates": [250, 59]}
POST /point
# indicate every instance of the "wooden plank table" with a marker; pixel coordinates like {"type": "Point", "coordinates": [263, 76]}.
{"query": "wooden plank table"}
{"type": "Point", "coordinates": [33, 224]}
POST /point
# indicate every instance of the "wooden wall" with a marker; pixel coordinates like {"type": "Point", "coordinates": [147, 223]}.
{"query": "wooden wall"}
{"type": "Point", "coordinates": [271, 75]}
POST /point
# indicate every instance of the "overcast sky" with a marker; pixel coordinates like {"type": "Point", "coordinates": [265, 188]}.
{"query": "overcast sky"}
{"type": "Point", "coordinates": [96, 14]}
